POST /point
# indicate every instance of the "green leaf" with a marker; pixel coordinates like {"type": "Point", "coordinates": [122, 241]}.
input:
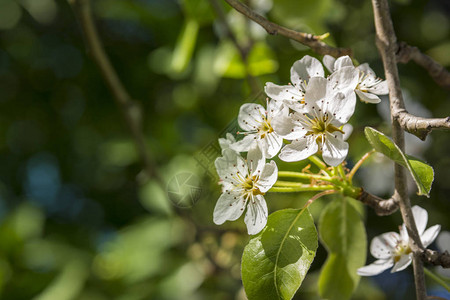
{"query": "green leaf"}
{"type": "Point", "coordinates": [343, 234]}
{"type": "Point", "coordinates": [422, 173]}
{"type": "Point", "coordinates": [276, 261]}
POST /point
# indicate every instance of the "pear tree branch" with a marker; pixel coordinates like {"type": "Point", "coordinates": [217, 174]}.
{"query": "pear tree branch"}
{"type": "Point", "coordinates": [312, 41]}
{"type": "Point", "coordinates": [419, 126]}
{"type": "Point", "coordinates": [386, 41]}
{"type": "Point", "coordinates": [440, 75]}
{"type": "Point", "coordinates": [382, 207]}
{"type": "Point", "coordinates": [436, 258]}
{"type": "Point", "coordinates": [130, 110]}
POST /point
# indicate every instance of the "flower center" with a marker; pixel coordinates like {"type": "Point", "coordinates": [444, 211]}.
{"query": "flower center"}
{"type": "Point", "coordinates": [321, 125]}
{"type": "Point", "coordinates": [265, 128]}
{"type": "Point", "coordinates": [401, 248]}
{"type": "Point", "coordinates": [250, 187]}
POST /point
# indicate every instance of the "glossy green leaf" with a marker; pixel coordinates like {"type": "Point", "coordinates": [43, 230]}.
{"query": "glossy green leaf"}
{"type": "Point", "coordinates": [276, 261]}
{"type": "Point", "coordinates": [422, 173]}
{"type": "Point", "coordinates": [343, 234]}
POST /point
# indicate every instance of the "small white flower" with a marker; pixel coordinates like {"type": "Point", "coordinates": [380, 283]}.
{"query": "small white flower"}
{"type": "Point", "coordinates": [225, 143]}
{"type": "Point", "coordinates": [392, 249]}
{"type": "Point", "coordinates": [328, 106]}
{"type": "Point", "coordinates": [294, 95]}
{"type": "Point", "coordinates": [244, 182]}
{"type": "Point", "coordinates": [256, 123]}
{"type": "Point", "coordinates": [369, 86]}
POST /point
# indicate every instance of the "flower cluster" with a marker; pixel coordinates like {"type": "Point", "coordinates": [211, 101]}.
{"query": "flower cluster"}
{"type": "Point", "coordinates": [392, 249]}
{"type": "Point", "coordinates": [309, 114]}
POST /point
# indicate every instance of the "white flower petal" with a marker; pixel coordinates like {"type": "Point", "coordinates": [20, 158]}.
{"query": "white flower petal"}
{"type": "Point", "coordinates": [274, 107]}
{"type": "Point", "coordinates": [268, 176]}
{"type": "Point", "coordinates": [282, 92]}
{"type": "Point", "coordinates": [347, 129]}
{"type": "Point", "coordinates": [335, 149]}
{"type": "Point", "coordinates": [375, 268]}
{"type": "Point", "coordinates": [379, 88]}
{"type": "Point", "coordinates": [430, 235]}
{"type": "Point", "coordinates": [287, 127]}
{"type": "Point", "coordinates": [230, 163]}
{"type": "Point", "coordinates": [255, 159]}
{"type": "Point", "coordinates": [315, 91]}
{"type": "Point", "coordinates": [299, 149]}
{"type": "Point", "coordinates": [250, 116]}
{"type": "Point", "coordinates": [296, 106]}
{"type": "Point", "coordinates": [390, 238]}
{"type": "Point", "coordinates": [256, 215]}
{"type": "Point", "coordinates": [380, 249]}
{"type": "Point", "coordinates": [304, 69]}
{"type": "Point", "coordinates": [272, 143]}
{"type": "Point", "coordinates": [245, 144]}
{"type": "Point", "coordinates": [341, 105]}
{"type": "Point", "coordinates": [421, 217]}
{"type": "Point", "coordinates": [343, 61]}
{"type": "Point", "coordinates": [228, 207]}
{"type": "Point", "coordinates": [404, 234]}
{"type": "Point", "coordinates": [366, 69]}
{"type": "Point", "coordinates": [405, 261]}
{"type": "Point", "coordinates": [225, 143]}
{"type": "Point", "coordinates": [368, 97]}
{"type": "Point", "coordinates": [328, 61]}
{"type": "Point", "coordinates": [343, 79]}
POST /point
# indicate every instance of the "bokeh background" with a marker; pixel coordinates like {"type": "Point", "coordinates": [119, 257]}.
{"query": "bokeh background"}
{"type": "Point", "coordinates": [80, 220]}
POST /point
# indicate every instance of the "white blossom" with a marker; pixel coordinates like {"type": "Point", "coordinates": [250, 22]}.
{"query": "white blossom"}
{"type": "Point", "coordinates": [293, 95]}
{"type": "Point", "coordinates": [244, 183]}
{"type": "Point", "coordinates": [225, 143]}
{"type": "Point", "coordinates": [329, 104]}
{"type": "Point", "coordinates": [256, 123]}
{"type": "Point", "coordinates": [392, 249]}
{"type": "Point", "coordinates": [369, 85]}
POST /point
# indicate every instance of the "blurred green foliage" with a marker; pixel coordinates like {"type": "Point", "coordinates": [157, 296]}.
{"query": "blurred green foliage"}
{"type": "Point", "coordinates": [79, 220]}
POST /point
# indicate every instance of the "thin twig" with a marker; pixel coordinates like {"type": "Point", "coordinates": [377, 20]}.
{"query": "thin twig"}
{"type": "Point", "coordinates": [312, 41]}
{"type": "Point", "coordinates": [359, 164]}
{"type": "Point", "coordinates": [436, 258]}
{"type": "Point", "coordinates": [440, 75]}
{"type": "Point", "coordinates": [382, 207]}
{"type": "Point", "coordinates": [387, 46]}
{"type": "Point", "coordinates": [129, 108]}
{"type": "Point", "coordinates": [317, 196]}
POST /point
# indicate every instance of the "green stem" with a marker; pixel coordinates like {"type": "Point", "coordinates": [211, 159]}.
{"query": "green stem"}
{"type": "Point", "coordinates": [288, 183]}
{"type": "Point", "coordinates": [303, 175]}
{"type": "Point", "coordinates": [437, 279]}
{"type": "Point", "coordinates": [304, 188]}
{"type": "Point", "coordinates": [359, 164]}
{"type": "Point", "coordinates": [318, 162]}
{"type": "Point", "coordinates": [341, 171]}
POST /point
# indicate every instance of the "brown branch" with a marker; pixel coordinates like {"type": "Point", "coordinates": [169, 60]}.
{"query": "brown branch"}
{"type": "Point", "coordinates": [312, 41]}
{"type": "Point", "coordinates": [387, 46]}
{"type": "Point", "coordinates": [419, 126]}
{"type": "Point", "coordinates": [436, 258]}
{"type": "Point", "coordinates": [129, 108]}
{"type": "Point", "coordinates": [440, 75]}
{"type": "Point", "coordinates": [382, 207]}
